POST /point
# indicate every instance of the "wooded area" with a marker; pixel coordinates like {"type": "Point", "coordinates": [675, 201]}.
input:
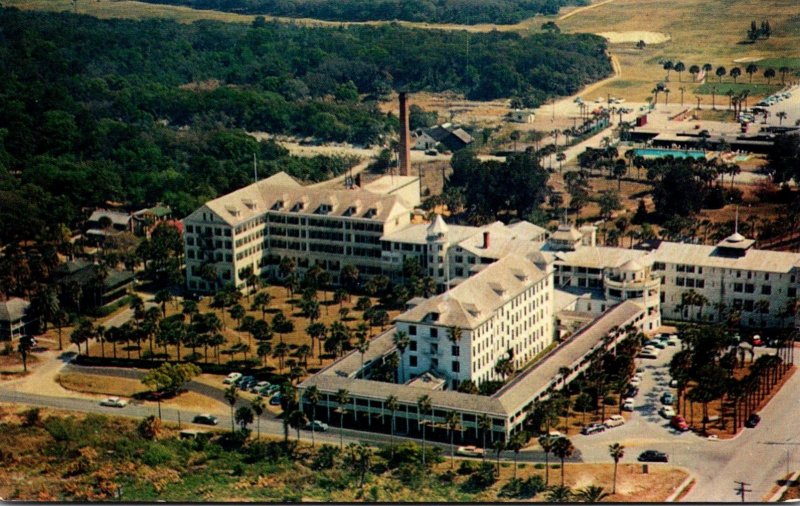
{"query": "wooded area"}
{"type": "Point", "coordinates": [146, 111]}
{"type": "Point", "coordinates": [469, 12]}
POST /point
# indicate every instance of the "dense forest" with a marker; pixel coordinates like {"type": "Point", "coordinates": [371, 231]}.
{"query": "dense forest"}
{"type": "Point", "coordinates": [147, 111]}
{"type": "Point", "coordinates": [469, 12]}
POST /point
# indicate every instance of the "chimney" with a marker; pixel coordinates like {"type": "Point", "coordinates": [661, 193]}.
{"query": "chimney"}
{"type": "Point", "coordinates": [486, 240]}
{"type": "Point", "coordinates": [405, 141]}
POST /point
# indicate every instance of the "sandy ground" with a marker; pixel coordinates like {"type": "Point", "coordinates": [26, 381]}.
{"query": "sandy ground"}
{"type": "Point", "coordinates": [647, 37]}
{"type": "Point", "coordinates": [748, 59]}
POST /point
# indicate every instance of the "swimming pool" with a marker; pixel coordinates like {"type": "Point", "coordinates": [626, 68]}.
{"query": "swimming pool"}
{"type": "Point", "coordinates": [675, 153]}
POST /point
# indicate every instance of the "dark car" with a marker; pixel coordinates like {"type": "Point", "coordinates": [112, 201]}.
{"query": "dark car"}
{"type": "Point", "coordinates": [632, 392]}
{"type": "Point", "coordinates": [752, 421]}
{"type": "Point", "coordinates": [653, 456]}
{"type": "Point", "coordinates": [206, 419]}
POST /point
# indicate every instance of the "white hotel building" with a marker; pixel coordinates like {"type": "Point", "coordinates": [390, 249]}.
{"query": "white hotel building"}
{"type": "Point", "coordinates": [507, 287]}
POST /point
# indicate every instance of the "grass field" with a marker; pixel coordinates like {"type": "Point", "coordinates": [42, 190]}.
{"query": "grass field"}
{"type": "Point", "coordinates": [755, 89]}
{"type": "Point", "coordinates": [701, 31]}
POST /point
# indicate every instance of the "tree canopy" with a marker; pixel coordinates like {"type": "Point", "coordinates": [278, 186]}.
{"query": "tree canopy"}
{"type": "Point", "coordinates": [430, 11]}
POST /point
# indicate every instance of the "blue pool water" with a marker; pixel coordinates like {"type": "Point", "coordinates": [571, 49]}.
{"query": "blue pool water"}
{"type": "Point", "coordinates": [675, 153]}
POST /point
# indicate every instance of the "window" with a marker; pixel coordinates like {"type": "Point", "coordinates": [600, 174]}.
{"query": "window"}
{"type": "Point", "coordinates": [412, 361]}
{"type": "Point", "coordinates": [412, 346]}
{"type": "Point", "coordinates": [700, 283]}
{"type": "Point", "coordinates": [749, 288]}
{"type": "Point", "coordinates": [412, 330]}
{"type": "Point", "coordinates": [748, 305]}
{"type": "Point", "coordinates": [434, 332]}
{"type": "Point", "coordinates": [792, 292]}
{"type": "Point", "coordinates": [455, 351]}
{"type": "Point", "coordinates": [738, 287]}
{"type": "Point", "coordinates": [766, 290]}
{"type": "Point", "coordinates": [456, 366]}
{"type": "Point", "coordinates": [765, 307]}
{"type": "Point", "coordinates": [680, 281]}
{"type": "Point", "coordinates": [435, 363]}
{"type": "Point", "coordinates": [434, 349]}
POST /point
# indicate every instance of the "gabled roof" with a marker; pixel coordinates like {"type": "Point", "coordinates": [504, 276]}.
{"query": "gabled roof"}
{"type": "Point", "coordinates": [282, 193]}
{"type": "Point", "coordinates": [711, 256]}
{"type": "Point", "coordinates": [116, 217]}
{"type": "Point", "coordinates": [474, 300]}
{"type": "Point", "coordinates": [566, 233]}
{"type": "Point", "coordinates": [13, 309]}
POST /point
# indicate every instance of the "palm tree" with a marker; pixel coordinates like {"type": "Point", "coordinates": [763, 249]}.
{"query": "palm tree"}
{"type": "Point", "coordinates": [401, 341]}
{"type": "Point", "coordinates": [563, 449]}
{"type": "Point", "coordinates": [751, 69]}
{"type": "Point", "coordinates": [313, 396]}
{"type": "Point", "coordinates": [453, 421]}
{"type": "Point", "coordinates": [342, 399]}
{"type": "Point", "coordinates": [485, 425]}
{"type": "Point", "coordinates": [591, 494]}
{"type": "Point", "coordinates": [231, 395]}
{"type": "Point", "coordinates": [559, 494]}
{"type": "Point", "coordinates": [617, 451]}
{"type": "Point", "coordinates": [392, 405]}
{"type": "Point", "coordinates": [297, 420]}
{"type": "Point", "coordinates": [498, 446]}
{"type": "Point", "coordinates": [257, 405]}
{"type": "Point", "coordinates": [515, 444]}
{"type": "Point", "coordinates": [424, 405]}
{"type": "Point", "coordinates": [547, 443]}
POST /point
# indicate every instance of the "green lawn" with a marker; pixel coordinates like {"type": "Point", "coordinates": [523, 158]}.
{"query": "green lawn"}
{"type": "Point", "coordinates": [722, 88]}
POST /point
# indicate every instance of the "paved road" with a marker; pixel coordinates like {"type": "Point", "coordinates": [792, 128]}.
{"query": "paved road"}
{"type": "Point", "coordinates": [270, 424]}
{"type": "Point", "coordinates": [758, 456]}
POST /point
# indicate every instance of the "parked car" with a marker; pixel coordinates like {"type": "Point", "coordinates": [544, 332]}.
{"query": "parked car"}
{"type": "Point", "coordinates": [260, 385]}
{"type": "Point", "coordinates": [627, 405]}
{"type": "Point", "coordinates": [673, 341]}
{"type": "Point", "coordinates": [660, 345]}
{"type": "Point", "coordinates": [673, 383]}
{"type": "Point", "coordinates": [232, 378]}
{"type": "Point", "coordinates": [614, 421]}
{"type": "Point", "coordinates": [635, 381]}
{"type": "Point", "coordinates": [205, 420]}
{"type": "Point", "coordinates": [631, 392]}
{"type": "Point", "coordinates": [431, 152]}
{"type": "Point", "coordinates": [594, 428]}
{"type": "Point", "coordinates": [317, 425]}
{"type": "Point", "coordinates": [752, 420]}
{"type": "Point", "coordinates": [679, 423]}
{"type": "Point", "coordinates": [275, 400]}
{"type": "Point", "coordinates": [469, 451]}
{"type": "Point", "coordinates": [756, 340]}
{"type": "Point", "coordinates": [554, 435]}
{"type": "Point", "coordinates": [667, 412]}
{"type": "Point", "coordinates": [114, 402]}
{"type": "Point", "coordinates": [653, 456]}
{"type": "Point", "coordinates": [667, 398]}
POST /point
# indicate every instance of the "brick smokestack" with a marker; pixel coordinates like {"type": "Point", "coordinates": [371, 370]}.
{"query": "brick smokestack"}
{"type": "Point", "coordinates": [405, 137]}
{"type": "Point", "coordinates": [486, 240]}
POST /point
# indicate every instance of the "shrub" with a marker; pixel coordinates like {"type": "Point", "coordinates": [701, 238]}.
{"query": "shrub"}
{"type": "Point", "coordinates": [158, 455]}
{"type": "Point", "coordinates": [609, 401]}
{"type": "Point", "coordinates": [483, 478]}
{"type": "Point", "coordinates": [467, 467]}
{"type": "Point", "coordinates": [410, 453]}
{"type": "Point", "coordinates": [447, 477]}
{"type": "Point", "coordinates": [538, 466]}
{"type": "Point", "coordinates": [238, 469]}
{"type": "Point", "coordinates": [149, 428]}
{"type": "Point", "coordinates": [31, 417]}
{"type": "Point", "coordinates": [269, 451]}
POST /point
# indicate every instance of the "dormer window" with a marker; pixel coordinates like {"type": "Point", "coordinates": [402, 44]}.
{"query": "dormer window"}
{"type": "Point", "coordinates": [249, 203]}
{"type": "Point", "coordinates": [324, 209]}
{"type": "Point", "coordinates": [299, 206]}
{"type": "Point", "coordinates": [278, 205]}
{"type": "Point", "coordinates": [498, 288]}
{"type": "Point", "coordinates": [371, 212]}
{"type": "Point", "coordinates": [233, 210]}
{"type": "Point", "coordinates": [351, 211]}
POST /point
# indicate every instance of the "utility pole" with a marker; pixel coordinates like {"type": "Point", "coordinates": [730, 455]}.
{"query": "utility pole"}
{"type": "Point", "coordinates": [743, 489]}
{"type": "Point", "coordinates": [255, 168]}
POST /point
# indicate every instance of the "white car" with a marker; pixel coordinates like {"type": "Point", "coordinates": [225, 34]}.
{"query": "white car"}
{"type": "Point", "coordinates": [673, 383]}
{"type": "Point", "coordinates": [114, 402]}
{"type": "Point", "coordinates": [627, 404]}
{"type": "Point", "coordinates": [232, 377]}
{"type": "Point", "coordinates": [469, 451]}
{"type": "Point", "coordinates": [667, 412]}
{"type": "Point", "coordinates": [614, 421]}
{"type": "Point", "coordinates": [636, 381]}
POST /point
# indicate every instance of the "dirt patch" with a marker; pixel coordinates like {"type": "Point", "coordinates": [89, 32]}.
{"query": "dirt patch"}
{"type": "Point", "coordinates": [95, 384]}
{"type": "Point", "coordinates": [635, 36]}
